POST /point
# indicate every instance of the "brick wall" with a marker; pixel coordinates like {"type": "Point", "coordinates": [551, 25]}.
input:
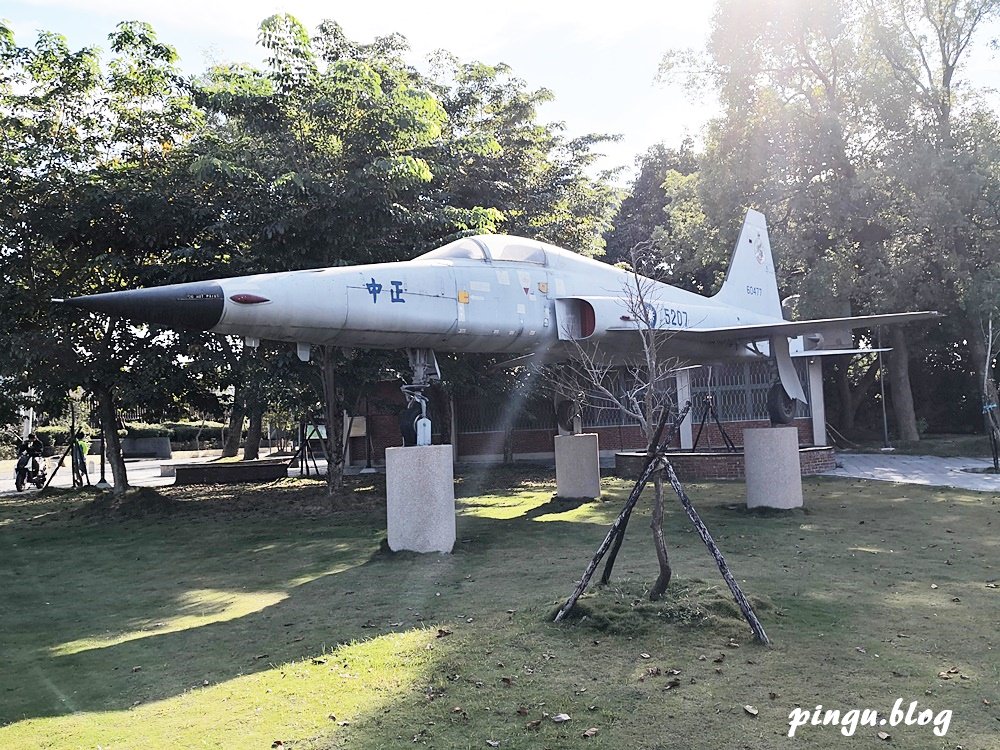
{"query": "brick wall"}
{"type": "Point", "coordinates": [719, 465]}
{"type": "Point", "coordinates": [384, 430]}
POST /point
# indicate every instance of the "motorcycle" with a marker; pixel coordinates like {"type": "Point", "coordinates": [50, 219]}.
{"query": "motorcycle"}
{"type": "Point", "coordinates": [29, 470]}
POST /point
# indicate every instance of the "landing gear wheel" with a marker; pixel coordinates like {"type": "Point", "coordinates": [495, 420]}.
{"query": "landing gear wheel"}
{"type": "Point", "coordinates": [780, 407]}
{"type": "Point", "coordinates": [408, 423]}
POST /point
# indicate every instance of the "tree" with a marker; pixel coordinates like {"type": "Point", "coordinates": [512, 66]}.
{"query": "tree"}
{"type": "Point", "coordinates": [338, 153]}
{"type": "Point", "coordinates": [644, 209]}
{"type": "Point", "coordinates": [841, 122]}
{"type": "Point", "coordinates": [640, 389]}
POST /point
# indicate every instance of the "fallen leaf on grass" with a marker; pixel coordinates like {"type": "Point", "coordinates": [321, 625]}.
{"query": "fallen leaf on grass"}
{"type": "Point", "coordinates": [672, 684]}
{"type": "Point", "coordinates": [533, 724]}
{"type": "Point", "coordinates": [884, 736]}
{"type": "Point", "coordinates": [522, 710]}
{"type": "Point", "coordinates": [933, 586]}
{"type": "Point", "coordinates": [442, 632]}
{"type": "Point", "coordinates": [507, 681]}
{"type": "Point", "coordinates": [719, 659]}
{"type": "Point", "coordinates": [644, 655]}
{"type": "Point", "coordinates": [751, 710]}
{"type": "Point", "coordinates": [493, 743]}
{"type": "Point", "coordinates": [560, 718]}
{"type": "Point", "coordinates": [591, 732]}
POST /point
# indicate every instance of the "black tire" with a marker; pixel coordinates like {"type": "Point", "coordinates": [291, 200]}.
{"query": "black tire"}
{"type": "Point", "coordinates": [19, 477]}
{"type": "Point", "coordinates": [408, 423]}
{"type": "Point", "coordinates": [780, 407]}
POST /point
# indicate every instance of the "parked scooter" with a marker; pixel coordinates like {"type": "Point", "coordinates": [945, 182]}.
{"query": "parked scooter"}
{"type": "Point", "coordinates": [30, 469]}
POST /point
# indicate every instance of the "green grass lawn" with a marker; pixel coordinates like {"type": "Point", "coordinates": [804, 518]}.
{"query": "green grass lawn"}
{"type": "Point", "coordinates": [225, 618]}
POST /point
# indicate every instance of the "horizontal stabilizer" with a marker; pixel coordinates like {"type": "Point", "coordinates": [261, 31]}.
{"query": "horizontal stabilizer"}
{"type": "Point", "coordinates": [760, 331]}
{"type": "Point", "coordinates": [835, 352]}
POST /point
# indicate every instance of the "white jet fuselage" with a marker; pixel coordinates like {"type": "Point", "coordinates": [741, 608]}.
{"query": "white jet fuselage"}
{"type": "Point", "coordinates": [469, 305]}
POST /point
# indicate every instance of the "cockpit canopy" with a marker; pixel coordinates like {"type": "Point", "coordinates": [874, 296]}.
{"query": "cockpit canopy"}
{"type": "Point", "coordinates": [491, 248]}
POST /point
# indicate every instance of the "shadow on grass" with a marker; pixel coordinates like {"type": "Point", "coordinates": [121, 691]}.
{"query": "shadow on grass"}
{"type": "Point", "coordinates": [163, 591]}
{"type": "Point", "coordinates": [232, 582]}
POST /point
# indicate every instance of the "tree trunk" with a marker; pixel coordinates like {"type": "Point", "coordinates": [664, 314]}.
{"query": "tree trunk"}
{"type": "Point", "coordinates": [656, 524]}
{"type": "Point", "coordinates": [112, 445]}
{"type": "Point", "coordinates": [978, 356]}
{"type": "Point", "coordinates": [332, 412]}
{"type": "Point", "coordinates": [251, 449]}
{"type": "Point", "coordinates": [899, 380]}
{"type": "Point", "coordinates": [846, 401]}
{"type": "Point", "coordinates": [235, 433]}
{"type": "Point", "coordinates": [852, 397]}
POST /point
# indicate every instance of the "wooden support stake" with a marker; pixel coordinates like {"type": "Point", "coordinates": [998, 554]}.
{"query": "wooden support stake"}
{"type": "Point", "coordinates": [706, 537]}
{"type": "Point", "coordinates": [617, 531]}
{"type": "Point", "coordinates": [652, 466]}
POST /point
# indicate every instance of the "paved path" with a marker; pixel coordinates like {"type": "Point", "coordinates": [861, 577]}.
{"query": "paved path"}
{"type": "Point", "coordinates": [930, 470]}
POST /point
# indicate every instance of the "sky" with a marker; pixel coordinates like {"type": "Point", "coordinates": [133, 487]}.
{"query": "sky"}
{"type": "Point", "coordinates": [599, 59]}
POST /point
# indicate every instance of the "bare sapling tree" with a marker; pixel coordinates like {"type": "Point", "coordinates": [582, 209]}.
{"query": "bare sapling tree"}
{"type": "Point", "coordinates": [640, 388]}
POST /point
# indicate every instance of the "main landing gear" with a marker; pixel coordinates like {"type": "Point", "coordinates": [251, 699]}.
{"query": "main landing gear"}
{"type": "Point", "coordinates": [780, 407]}
{"type": "Point", "coordinates": [414, 424]}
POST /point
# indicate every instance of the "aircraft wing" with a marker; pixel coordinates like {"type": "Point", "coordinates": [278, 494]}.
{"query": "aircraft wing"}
{"type": "Point", "coordinates": [761, 331]}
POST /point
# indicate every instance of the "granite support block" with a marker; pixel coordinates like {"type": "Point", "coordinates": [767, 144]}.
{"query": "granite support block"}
{"type": "Point", "coordinates": [578, 466]}
{"type": "Point", "coordinates": [420, 498]}
{"type": "Point", "coordinates": [773, 474]}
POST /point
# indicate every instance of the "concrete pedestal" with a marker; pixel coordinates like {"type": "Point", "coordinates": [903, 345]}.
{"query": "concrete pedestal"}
{"type": "Point", "coordinates": [420, 498]}
{"type": "Point", "coordinates": [774, 479]}
{"type": "Point", "coordinates": [578, 466]}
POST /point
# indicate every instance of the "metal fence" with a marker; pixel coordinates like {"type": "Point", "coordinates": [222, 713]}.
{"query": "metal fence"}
{"type": "Point", "coordinates": [739, 389]}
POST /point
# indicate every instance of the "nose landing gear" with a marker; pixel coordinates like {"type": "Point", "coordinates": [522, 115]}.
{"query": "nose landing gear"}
{"type": "Point", "coordinates": [414, 424]}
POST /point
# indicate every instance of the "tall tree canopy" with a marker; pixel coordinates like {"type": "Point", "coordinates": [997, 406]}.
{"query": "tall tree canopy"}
{"type": "Point", "coordinates": [851, 124]}
{"type": "Point", "coordinates": [127, 174]}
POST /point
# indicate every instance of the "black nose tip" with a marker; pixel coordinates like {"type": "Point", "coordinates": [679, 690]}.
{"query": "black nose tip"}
{"type": "Point", "coordinates": [196, 306]}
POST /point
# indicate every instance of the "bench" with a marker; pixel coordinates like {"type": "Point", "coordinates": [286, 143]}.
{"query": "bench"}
{"type": "Point", "coordinates": [228, 472]}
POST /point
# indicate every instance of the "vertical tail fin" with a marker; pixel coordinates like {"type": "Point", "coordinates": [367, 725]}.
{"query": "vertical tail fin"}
{"type": "Point", "coordinates": [750, 283]}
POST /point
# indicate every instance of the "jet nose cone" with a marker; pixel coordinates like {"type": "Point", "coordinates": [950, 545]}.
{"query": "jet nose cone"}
{"type": "Point", "coordinates": [196, 306]}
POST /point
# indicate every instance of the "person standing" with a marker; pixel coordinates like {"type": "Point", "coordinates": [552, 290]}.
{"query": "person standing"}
{"type": "Point", "coordinates": [80, 446]}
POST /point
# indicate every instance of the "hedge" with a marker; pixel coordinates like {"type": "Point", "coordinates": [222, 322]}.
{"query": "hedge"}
{"type": "Point", "coordinates": [184, 432]}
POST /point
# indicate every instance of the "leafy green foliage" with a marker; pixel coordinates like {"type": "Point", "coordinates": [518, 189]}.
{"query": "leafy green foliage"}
{"type": "Point", "coordinates": [850, 126]}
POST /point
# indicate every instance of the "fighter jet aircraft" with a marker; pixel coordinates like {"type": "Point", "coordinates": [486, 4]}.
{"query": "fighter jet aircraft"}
{"type": "Point", "coordinates": [502, 294]}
